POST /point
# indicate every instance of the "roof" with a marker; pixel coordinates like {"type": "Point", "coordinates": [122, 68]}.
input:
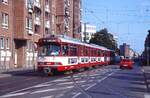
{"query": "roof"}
{"type": "Point", "coordinates": [78, 42]}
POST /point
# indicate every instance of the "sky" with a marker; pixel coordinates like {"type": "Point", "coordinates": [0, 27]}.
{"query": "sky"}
{"type": "Point", "coordinates": [129, 20]}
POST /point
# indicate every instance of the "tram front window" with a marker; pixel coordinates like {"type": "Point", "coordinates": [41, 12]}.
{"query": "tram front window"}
{"type": "Point", "coordinates": [49, 50]}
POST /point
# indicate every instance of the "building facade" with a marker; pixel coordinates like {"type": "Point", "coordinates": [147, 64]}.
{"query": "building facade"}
{"type": "Point", "coordinates": [6, 33]}
{"type": "Point", "coordinates": [125, 50]}
{"type": "Point", "coordinates": [87, 32]}
{"type": "Point", "coordinates": [23, 22]}
{"type": "Point", "coordinates": [68, 17]}
{"type": "Point", "coordinates": [147, 49]}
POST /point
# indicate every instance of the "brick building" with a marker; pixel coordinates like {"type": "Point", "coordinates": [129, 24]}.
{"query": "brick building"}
{"type": "Point", "coordinates": [23, 22]}
{"type": "Point", "coordinates": [68, 17]}
{"type": "Point", "coordinates": [6, 34]}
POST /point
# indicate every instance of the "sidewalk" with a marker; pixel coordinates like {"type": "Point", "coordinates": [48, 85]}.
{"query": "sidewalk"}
{"type": "Point", "coordinates": [146, 69]}
{"type": "Point", "coordinates": [12, 72]}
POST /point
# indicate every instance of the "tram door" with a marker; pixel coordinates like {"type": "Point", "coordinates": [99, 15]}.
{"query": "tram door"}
{"type": "Point", "coordinates": [105, 56]}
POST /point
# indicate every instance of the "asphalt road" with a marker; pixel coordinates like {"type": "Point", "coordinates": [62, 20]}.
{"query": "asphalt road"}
{"type": "Point", "coordinates": [104, 82]}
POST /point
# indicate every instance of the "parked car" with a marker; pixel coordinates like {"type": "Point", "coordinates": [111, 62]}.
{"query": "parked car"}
{"type": "Point", "coordinates": [126, 63]}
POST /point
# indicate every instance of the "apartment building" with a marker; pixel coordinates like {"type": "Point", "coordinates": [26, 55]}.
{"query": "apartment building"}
{"type": "Point", "coordinates": [77, 16]}
{"type": "Point", "coordinates": [6, 33]}
{"type": "Point", "coordinates": [23, 22]}
{"type": "Point", "coordinates": [32, 20]}
{"type": "Point", "coordinates": [68, 17]}
{"type": "Point", "coordinates": [124, 50]}
{"type": "Point", "coordinates": [87, 32]}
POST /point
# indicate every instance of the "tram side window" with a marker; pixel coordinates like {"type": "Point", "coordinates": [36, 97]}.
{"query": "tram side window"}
{"type": "Point", "coordinates": [73, 51]}
{"type": "Point", "coordinates": [65, 50]}
{"type": "Point", "coordinates": [95, 52]}
{"type": "Point", "coordinates": [82, 51]}
{"type": "Point", "coordinates": [86, 52]}
{"type": "Point", "coordinates": [99, 53]}
{"type": "Point", "coordinates": [91, 51]}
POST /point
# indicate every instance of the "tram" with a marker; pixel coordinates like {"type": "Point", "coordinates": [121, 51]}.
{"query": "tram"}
{"type": "Point", "coordinates": [59, 54]}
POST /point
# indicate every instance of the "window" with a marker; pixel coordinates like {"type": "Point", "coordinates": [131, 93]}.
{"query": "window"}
{"type": "Point", "coordinates": [37, 29]}
{"type": "Point", "coordinates": [86, 52]}
{"type": "Point", "coordinates": [82, 50]}
{"type": "Point", "coordinates": [46, 31]}
{"type": "Point", "coordinates": [29, 23]}
{"type": "Point", "coordinates": [46, 2]}
{"type": "Point", "coordinates": [65, 50]}
{"type": "Point", "coordinates": [99, 52]}
{"type": "Point", "coordinates": [5, 1]}
{"type": "Point", "coordinates": [73, 51]}
{"type": "Point", "coordinates": [7, 43]}
{"type": "Point", "coordinates": [29, 4]}
{"type": "Point", "coordinates": [95, 52]}
{"type": "Point", "coordinates": [4, 20]}
{"type": "Point", "coordinates": [37, 1]}
{"type": "Point", "coordinates": [91, 52]}
{"type": "Point", "coordinates": [1, 43]}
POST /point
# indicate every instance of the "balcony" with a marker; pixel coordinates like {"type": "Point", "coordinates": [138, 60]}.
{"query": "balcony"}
{"type": "Point", "coordinates": [47, 24]}
{"type": "Point", "coordinates": [30, 10]}
{"type": "Point", "coordinates": [67, 13]}
{"type": "Point", "coordinates": [37, 21]}
{"type": "Point", "coordinates": [37, 4]}
{"type": "Point", "coordinates": [47, 9]}
{"type": "Point", "coordinates": [5, 25]}
{"type": "Point", "coordinates": [30, 32]}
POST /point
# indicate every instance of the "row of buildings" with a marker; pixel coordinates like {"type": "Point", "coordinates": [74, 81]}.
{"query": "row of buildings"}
{"type": "Point", "coordinates": [127, 52]}
{"type": "Point", "coordinates": [23, 22]}
{"type": "Point", "coordinates": [146, 53]}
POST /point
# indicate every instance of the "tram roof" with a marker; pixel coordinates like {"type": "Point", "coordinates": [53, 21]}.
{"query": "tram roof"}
{"type": "Point", "coordinates": [78, 42]}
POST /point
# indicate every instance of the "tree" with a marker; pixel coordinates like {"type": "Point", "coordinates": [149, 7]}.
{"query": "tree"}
{"type": "Point", "coordinates": [103, 38]}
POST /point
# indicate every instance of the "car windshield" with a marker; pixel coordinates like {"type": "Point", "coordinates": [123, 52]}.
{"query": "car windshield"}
{"type": "Point", "coordinates": [49, 50]}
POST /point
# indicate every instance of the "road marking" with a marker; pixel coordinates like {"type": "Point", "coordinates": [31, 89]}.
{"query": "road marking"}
{"type": "Point", "coordinates": [50, 90]}
{"type": "Point", "coordinates": [94, 84]}
{"type": "Point", "coordinates": [17, 91]}
{"type": "Point", "coordinates": [60, 80]}
{"type": "Point", "coordinates": [42, 85]}
{"type": "Point", "coordinates": [76, 95]}
{"type": "Point", "coordinates": [91, 86]}
{"type": "Point", "coordinates": [12, 95]}
{"type": "Point", "coordinates": [146, 95]}
{"type": "Point", "coordinates": [48, 97]}
{"type": "Point", "coordinates": [65, 83]}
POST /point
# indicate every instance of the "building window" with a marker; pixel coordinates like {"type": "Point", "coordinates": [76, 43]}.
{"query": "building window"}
{"type": "Point", "coordinates": [46, 31]}
{"type": "Point", "coordinates": [29, 3]}
{"type": "Point", "coordinates": [29, 23]}
{"type": "Point", "coordinates": [5, 20]}
{"type": "Point", "coordinates": [5, 1]}
{"type": "Point", "coordinates": [7, 43]}
{"type": "Point", "coordinates": [37, 29]}
{"type": "Point", "coordinates": [46, 2]}
{"type": "Point", "coordinates": [1, 43]}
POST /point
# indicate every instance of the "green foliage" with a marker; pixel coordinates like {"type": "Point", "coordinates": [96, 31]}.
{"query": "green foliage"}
{"type": "Point", "coordinates": [103, 38]}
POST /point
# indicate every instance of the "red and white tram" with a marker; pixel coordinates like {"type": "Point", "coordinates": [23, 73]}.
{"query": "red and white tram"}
{"type": "Point", "coordinates": [59, 54]}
